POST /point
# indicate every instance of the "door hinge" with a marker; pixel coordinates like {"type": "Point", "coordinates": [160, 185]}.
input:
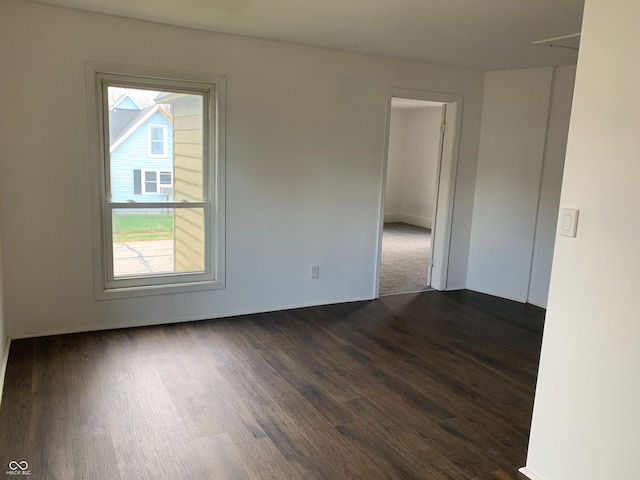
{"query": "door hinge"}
{"type": "Point", "coordinates": [443, 127]}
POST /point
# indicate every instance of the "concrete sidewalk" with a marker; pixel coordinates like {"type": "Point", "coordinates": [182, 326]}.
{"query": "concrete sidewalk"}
{"type": "Point", "coordinates": [147, 256]}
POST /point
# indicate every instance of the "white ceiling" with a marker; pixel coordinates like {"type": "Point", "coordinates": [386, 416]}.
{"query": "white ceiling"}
{"type": "Point", "coordinates": [482, 34]}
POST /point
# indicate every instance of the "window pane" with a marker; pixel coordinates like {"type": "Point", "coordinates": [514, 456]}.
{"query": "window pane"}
{"type": "Point", "coordinates": [150, 176]}
{"type": "Point", "coordinates": [157, 241]}
{"type": "Point", "coordinates": [157, 131]}
{"type": "Point", "coordinates": [157, 148]}
{"type": "Point", "coordinates": [165, 178]}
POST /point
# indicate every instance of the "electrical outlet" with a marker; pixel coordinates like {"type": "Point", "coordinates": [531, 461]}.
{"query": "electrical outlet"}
{"type": "Point", "coordinates": [315, 271]}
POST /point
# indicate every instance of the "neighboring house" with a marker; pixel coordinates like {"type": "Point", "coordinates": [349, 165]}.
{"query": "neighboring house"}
{"type": "Point", "coordinates": [141, 145]}
{"type": "Point", "coordinates": [189, 237]}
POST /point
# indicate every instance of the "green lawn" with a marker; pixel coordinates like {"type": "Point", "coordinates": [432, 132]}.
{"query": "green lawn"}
{"type": "Point", "coordinates": [131, 227]}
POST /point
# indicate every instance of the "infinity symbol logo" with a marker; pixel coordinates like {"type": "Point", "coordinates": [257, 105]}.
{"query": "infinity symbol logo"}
{"type": "Point", "coordinates": [13, 465]}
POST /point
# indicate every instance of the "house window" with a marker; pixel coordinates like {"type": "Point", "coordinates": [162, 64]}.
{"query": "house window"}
{"type": "Point", "coordinates": [157, 140]}
{"type": "Point", "coordinates": [153, 182]}
{"type": "Point", "coordinates": [169, 139]}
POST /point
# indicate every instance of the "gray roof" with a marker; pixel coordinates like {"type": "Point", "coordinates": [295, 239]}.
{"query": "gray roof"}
{"type": "Point", "coordinates": [122, 119]}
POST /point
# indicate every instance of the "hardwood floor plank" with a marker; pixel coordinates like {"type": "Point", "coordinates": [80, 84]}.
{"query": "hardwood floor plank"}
{"type": "Point", "coordinates": [221, 457]}
{"type": "Point", "coordinates": [16, 418]}
{"type": "Point", "coordinates": [294, 427]}
{"type": "Point", "coordinates": [432, 386]}
{"type": "Point", "coordinates": [395, 463]}
{"type": "Point", "coordinates": [95, 458]}
{"type": "Point", "coordinates": [420, 443]}
{"type": "Point", "coordinates": [307, 387]}
{"type": "Point", "coordinates": [502, 475]}
{"type": "Point", "coordinates": [318, 435]}
{"type": "Point", "coordinates": [265, 462]}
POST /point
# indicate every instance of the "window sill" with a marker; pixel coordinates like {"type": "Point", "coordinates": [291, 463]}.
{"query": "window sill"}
{"type": "Point", "coordinates": [147, 290]}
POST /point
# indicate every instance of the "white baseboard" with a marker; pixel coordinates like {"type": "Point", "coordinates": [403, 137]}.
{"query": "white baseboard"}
{"type": "Point", "coordinates": [392, 217]}
{"type": "Point", "coordinates": [529, 474]}
{"type": "Point", "coordinates": [3, 366]}
{"type": "Point", "coordinates": [496, 294]}
{"type": "Point", "coordinates": [195, 318]}
{"type": "Point", "coordinates": [423, 222]}
{"type": "Point", "coordinates": [506, 297]}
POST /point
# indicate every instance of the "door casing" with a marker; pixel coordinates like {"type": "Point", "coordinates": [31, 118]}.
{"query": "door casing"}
{"type": "Point", "coordinates": [446, 182]}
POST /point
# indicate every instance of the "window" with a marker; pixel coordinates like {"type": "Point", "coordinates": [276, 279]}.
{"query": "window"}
{"type": "Point", "coordinates": [157, 141]}
{"type": "Point", "coordinates": [166, 233]}
{"type": "Point", "coordinates": [153, 182]}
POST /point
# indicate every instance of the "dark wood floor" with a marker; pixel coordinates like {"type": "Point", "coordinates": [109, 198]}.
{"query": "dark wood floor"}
{"type": "Point", "coordinates": [420, 386]}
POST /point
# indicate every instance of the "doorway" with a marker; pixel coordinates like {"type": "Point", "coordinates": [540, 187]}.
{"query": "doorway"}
{"type": "Point", "coordinates": [420, 157]}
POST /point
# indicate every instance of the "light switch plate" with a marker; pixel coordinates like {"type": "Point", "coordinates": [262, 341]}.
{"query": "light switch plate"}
{"type": "Point", "coordinates": [569, 222]}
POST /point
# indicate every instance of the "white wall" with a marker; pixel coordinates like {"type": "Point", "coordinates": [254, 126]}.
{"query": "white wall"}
{"type": "Point", "coordinates": [305, 130]}
{"type": "Point", "coordinates": [549, 200]}
{"type": "Point", "coordinates": [516, 119]}
{"type": "Point", "coordinates": [3, 332]}
{"type": "Point", "coordinates": [394, 193]}
{"type": "Point", "coordinates": [3, 325]}
{"type": "Point", "coordinates": [586, 418]}
{"type": "Point", "coordinates": [414, 141]}
{"type": "Point", "coordinates": [421, 168]}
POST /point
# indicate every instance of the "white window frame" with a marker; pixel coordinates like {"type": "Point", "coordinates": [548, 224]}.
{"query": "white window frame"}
{"type": "Point", "coordinates": [212, 87]}
{"type": "Point", "coordinates": [165, 151]}
{"type": "Point", "coordinates": [143, 181]}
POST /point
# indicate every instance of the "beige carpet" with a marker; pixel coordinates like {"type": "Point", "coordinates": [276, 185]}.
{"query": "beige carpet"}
{"type": "Point", "coordinates": [405, 251]}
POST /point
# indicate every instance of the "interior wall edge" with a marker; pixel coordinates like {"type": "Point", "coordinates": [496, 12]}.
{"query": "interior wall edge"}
{"type": "Point", "coordinates": [543, 167]}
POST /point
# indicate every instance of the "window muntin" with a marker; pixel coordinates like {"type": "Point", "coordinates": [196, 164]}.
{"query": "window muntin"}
{"type": "Point", "coordinates": [190, 189]}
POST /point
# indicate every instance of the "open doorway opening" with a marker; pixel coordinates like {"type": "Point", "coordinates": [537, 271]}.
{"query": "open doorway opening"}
{"type": "Point", "coordinates": [417, 192]}
{"type": "Point", "coordinates": [413, 160]}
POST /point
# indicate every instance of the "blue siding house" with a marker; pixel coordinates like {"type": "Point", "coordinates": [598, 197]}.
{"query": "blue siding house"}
{"type": "Point", "coordinates": [141, 152]}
